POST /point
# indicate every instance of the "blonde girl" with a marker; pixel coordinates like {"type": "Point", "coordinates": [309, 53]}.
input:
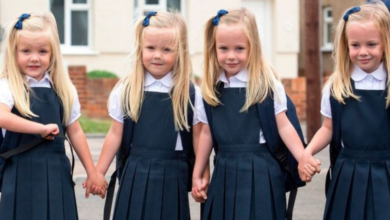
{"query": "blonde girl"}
{"type": "Point", "coordinates": [38, 100]}
{"type": "Point", "coordinates": [247, 181]}
{"type": "Point", "coordinates": [356, 118]}
{"type": "Point", "coordinates": [155, 100]}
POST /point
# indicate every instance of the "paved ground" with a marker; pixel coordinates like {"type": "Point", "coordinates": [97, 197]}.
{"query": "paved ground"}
{"type": "Point", "coordinates": [308, 206]}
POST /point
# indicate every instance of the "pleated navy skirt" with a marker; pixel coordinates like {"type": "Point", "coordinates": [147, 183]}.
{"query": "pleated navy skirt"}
{"type": "Point", "coordinates": [37, 185]}
{"type": "Point", "coordinates": [153, 186]}
{"type": "Point", "coordinates": [360, 186]}
{"type": "Point", "coordinates": [247, 183]}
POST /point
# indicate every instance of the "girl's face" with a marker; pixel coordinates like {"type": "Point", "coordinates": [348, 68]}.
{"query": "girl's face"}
{"type": "Point", "coordinates": [365, 45]}
{"type": "Point", "coordinates": [158, 51]}
{"type": "Point", "coordinates": [33, 53]}
{"type": "Point", "coordinates": [232, 48]}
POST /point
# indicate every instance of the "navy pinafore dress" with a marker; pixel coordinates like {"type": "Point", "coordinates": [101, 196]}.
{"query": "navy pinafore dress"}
{"type": "Point", "coordinates": [37, 184]}
{"type": "Point", "coordinates": [359, 188]}
{"type": "Point", "coordinates": [247, 182]}
{"type": "Point", "coordinates": [155, 178]}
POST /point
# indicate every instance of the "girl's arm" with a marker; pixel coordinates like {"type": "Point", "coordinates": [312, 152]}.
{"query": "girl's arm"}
{"type": "Point", "coordinates": [79, 142]}
{"type": "Point", "coordinates": [110, 147]}
{"type": "Point", "coordinates": [203, 151]}
{"type": "Point", "coordinates": [307, 164]}
{"type": "Point", "coordinates": [289, 135]}
{"type": "Point", "coordinates": [12, 122]}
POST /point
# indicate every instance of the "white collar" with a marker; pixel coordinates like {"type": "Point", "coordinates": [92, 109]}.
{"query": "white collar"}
{"type": "Point", "coordinates": [240, 76]}
{"type": "Point", "coordinates": [358, 74]}
{"type": "Point", "coordinates": [167, 80]}
{"type": "Point", "coordinates": [46, 78]}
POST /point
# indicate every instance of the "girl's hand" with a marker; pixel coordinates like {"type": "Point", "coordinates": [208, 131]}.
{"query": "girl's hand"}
{"type": "Point", "coordinates": [308, 166]}
{"type": "Point", "coordinates": [199, 189]}
{"type": "Point", "coordinates": [49, 131]}
{"type": "Point", "coordinates": [95, 184]}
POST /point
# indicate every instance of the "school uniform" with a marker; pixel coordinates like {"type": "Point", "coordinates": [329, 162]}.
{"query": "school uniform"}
{"type": "Point", "coordinates": [37, 184]}
{"type": "Point", "coordinates": [247, 182]}
{"type": "Point", "coordinates": [359, 188]}
{"type": "Point", "coordinates": [154, 182]}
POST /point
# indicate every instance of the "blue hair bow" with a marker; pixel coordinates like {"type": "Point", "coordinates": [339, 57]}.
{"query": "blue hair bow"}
{"type": "Point", "coordinates": [19, 24]}
{"type": "Point", "coordinates": [146, 21]}
{"type": "Point", "coordinates": [219, 14]}
{"type": "Point", "coordinates": [350, 11]}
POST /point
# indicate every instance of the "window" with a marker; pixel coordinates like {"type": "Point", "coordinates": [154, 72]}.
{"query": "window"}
{"type": "Point", "coordinates": [74, 23]}
{"type": "Point", "coordinates": [327, 28]}
{"type": "Point", "coordinates": [142, 7]}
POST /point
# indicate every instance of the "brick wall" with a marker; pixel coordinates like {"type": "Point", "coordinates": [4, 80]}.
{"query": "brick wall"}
{"type": "Point", "coordinates": [296, 90]}
{"type": "Point", "coordinates": [93, 93]}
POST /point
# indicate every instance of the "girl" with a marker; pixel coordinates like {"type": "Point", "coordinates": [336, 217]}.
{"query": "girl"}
{"type": "Point", "coordinates": [37, 100]}
{"type": "Point", "coordinates": [247, 181]}
{"type": "Point", "coordinates": [155, 95]}
{"type": "Point", "coordinates": [355, 105]}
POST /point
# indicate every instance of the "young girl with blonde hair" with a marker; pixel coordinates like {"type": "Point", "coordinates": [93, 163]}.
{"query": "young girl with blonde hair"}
{"type": "Point", "coordinates": [38, 100]}
{"type": "Point", "coordinates": [155, 100]}
{"type": "Point", "coordinates": [355, 105]}
{"type": "Point", "coordinates": [247, 181]}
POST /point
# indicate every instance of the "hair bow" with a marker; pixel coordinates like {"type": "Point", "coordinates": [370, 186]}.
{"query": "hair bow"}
{"type": "Point", "coordinates": [19, 24]}
{"type": "Point", "coordinates": [350, 11]}
{"type": "Point", "coordinates": [146, 21]}
{"type": "Point", "coordinates": [218, 16]}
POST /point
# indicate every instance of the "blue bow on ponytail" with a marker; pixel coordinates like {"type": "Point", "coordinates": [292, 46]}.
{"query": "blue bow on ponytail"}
{"type": "Point", "coordinates": [219, 14]}
{"type": "Point", "coordinates": [146, 21]}
{"type": "Point", "coordinates": [19, 23]}
{"type": "Point", "coordinates": [351, 11]}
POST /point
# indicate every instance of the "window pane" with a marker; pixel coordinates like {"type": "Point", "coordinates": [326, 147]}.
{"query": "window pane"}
{"type": "Point", "coordinates": [174, 4]}
{"type": "Point", "coordinates": [329, 37]}
{"type": "Point", "coordinates": [329, 13]}
{"type": "Point", "coordinates": [58, 9]}
{"type": "Point", "coordinates": [79, 28]}
{"type": "Point", "coordinates": [151, 2]}
{"type": "Point", "coordinates": [80, 1]}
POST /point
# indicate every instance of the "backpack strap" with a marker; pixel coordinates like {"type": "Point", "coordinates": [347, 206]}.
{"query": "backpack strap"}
{"type": "Point", "coordinates": [335, 144]}
{"type": "Point", "coordinates": [121, 156]}
{"type": "Point", "coordinates": [2, 161]}
{"type": "Point", "coordinates": [279, 149]}
{"type": "Point", "coordinates": [186, 138]}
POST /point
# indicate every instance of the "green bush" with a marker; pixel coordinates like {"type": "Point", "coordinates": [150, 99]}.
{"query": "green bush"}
{"type": "Point", "coordinates": [101, 74]}
{"type": "Point", "coordinates": [90, 125]}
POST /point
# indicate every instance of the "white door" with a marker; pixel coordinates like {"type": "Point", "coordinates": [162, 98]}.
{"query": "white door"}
{"type": "Point", "coordinates": [263, 12]}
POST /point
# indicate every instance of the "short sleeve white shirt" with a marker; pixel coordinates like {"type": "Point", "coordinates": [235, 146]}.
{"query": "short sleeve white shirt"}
{"type": "Point", "coordinates": [162, 85]}
{"type": "Point", "coordinates": [7, 98]}
{"type": "Point", "coordinates": [240, 80]}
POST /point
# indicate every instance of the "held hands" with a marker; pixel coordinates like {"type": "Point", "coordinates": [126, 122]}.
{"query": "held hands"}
{"type": "Point", "coordinates": [308, 166]}
{"type": "Point", "coordinates": [49, 131]}
{"type": "Point", "coordinates": [95, 184]}
{"type": "Point", "coordinates": [199, 189]}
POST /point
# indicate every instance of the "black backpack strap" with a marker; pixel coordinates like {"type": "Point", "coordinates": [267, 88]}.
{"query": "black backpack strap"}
{"type": "Point", "coordinates": [121, 157]}
{"type": "Point", "coordinates": [335, 144]}
{"type": "Point", "coordinates": [186, 138]}
{"type": "Point", "coordinates": [278, 148]}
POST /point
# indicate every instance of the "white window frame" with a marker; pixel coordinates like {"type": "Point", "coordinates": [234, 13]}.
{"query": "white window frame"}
{"type": "Point", "coordinates": [66, 47]}
{"type": "Point", "coordinates": [327, 43]}
{"type": "Point", "coordinates": [161, 6]}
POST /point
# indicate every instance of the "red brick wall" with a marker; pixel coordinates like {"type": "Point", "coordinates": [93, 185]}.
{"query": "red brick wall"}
{"type": "Point", "coordinates": [98, 92]}
{"type": "Point", "coordinates": [93, 93]}
{"type": "Point", "coordinates": [296, 90]}
{"type": "Point", "coordinates": [78, 75]}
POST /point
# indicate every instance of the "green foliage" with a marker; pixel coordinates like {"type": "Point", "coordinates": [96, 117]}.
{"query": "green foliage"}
{"type": "Point", "coordinates": [90, 125]}
{"type": "Point", "coordinates": [101, 74]}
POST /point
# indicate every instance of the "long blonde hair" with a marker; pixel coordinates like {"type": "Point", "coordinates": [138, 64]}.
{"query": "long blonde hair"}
{"type": "Point", "coordinates": [133, 85]}
{"type": "Point", "coordinates": [340, 80]}
{"type": "Point", "coordinates": [262, 77]}
{"type": "Point", "coordinates": [45, 24]}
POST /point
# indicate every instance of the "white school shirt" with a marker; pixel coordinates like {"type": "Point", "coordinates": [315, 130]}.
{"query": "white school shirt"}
{"type": "Point", "coordinates": [162, 85]}
{"type": "Point", "coordinates": [363, 81]}
{"type": "Point", "coordinates": [7, 98]}
{"type": "Point", "coordinates": [240, 80]}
